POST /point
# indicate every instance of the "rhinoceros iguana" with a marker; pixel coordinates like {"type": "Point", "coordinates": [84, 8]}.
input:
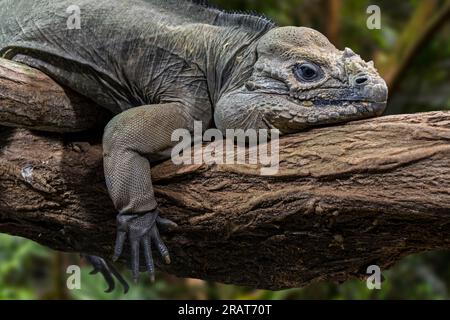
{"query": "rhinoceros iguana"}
{"type": "Point", "coordinates": [160, 65]}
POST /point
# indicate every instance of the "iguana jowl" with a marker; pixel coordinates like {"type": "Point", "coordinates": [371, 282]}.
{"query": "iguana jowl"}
{"type": "Point", "coordinates": [160, 65]}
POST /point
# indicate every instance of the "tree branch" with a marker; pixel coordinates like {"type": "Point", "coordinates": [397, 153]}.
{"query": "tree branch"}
{"type": "Point", "coordinates": [345, 197]}
{"type": "Point", "coordinates": [418, 33]}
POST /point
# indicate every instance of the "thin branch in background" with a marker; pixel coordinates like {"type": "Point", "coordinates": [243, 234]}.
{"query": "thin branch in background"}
{"type": "Point", "coordinates": [333, 21]}
{"type": "Point", "coordinates": [418, 33]}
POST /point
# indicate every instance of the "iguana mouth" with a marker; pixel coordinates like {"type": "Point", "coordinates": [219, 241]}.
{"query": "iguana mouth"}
{"type": "Point", "coordinates": [325, 103]}
{"type": "Point", "coordinates": [318, 112]}
{"type": "Point", "coordinates": [348, 107]}
{"type": "Point", "coordinates": [344, 107]}
{"type": "Point", "coordinates": [370, 99]}
{"type": "Point", "coordinates": [364, 107]}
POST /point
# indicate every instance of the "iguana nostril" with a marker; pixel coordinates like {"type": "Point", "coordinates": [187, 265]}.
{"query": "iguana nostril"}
{"type": "Point", "coordinates": [361, 80]}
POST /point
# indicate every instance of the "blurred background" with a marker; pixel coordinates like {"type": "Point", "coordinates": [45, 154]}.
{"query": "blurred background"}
{"type": "Point", "coordinates": [411, 51]}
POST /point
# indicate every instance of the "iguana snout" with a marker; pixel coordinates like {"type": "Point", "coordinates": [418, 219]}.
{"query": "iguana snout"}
{"type": "Point", "coordinates": [301, 80]}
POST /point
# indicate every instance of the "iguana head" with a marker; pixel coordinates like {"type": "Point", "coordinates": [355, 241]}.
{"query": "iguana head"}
{"type": "Point", "coordinates": [301, 80]}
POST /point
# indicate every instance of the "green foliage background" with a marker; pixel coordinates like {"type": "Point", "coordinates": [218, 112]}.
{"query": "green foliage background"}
{"type": "Point", "coordinates": [30, 271]}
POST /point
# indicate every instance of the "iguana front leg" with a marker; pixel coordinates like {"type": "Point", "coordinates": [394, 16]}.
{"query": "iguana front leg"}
{"type": "Point", "coordinates": [129, 140]}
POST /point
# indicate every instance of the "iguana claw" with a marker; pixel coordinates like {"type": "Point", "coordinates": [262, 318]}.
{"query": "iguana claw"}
{"type": "Point", "coordinates": [141, 230]}
{"type": "Point", "coordinates": [108, 271]}
{"type": "Point", "coordinates": [166, 224]}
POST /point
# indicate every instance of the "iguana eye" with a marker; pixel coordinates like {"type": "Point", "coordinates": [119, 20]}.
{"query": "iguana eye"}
{"type": "Point", "coordinates": [306, 72]}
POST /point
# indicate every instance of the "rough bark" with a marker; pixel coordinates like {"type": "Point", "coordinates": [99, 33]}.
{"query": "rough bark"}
{"type": "Point", "coordinates": [345, 197]}
{"type": "Point", "coordinates": [23, 89]}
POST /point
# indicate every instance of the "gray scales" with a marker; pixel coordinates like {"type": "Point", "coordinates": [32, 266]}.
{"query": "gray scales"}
{"type": "Point", "coordinates": [160, 65]}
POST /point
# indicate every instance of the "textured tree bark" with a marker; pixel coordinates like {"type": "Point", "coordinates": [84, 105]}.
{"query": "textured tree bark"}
{"type": "Point", "coordinates": [54, 108]}
{"type": "Point", "coordinates": [345, 197]}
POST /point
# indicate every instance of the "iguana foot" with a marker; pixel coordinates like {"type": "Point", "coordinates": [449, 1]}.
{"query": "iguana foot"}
{"type": "Point", "coordinates": [141, 230]}
{"type": "Point", "coordinates": [108, 271]}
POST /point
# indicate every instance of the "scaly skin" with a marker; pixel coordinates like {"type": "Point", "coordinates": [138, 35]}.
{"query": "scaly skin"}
{"type": "Point", "coordinates": [160, 65]}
